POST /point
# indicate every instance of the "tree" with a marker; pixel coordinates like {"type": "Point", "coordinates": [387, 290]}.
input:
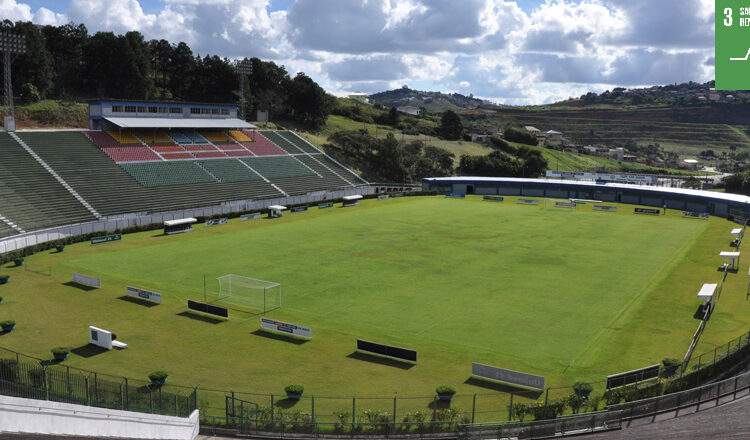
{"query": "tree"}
{"type": "Point", "coordinates": [65, 45]}
{"type": "Point", "coordinates": [520, 136]}
{"type": "Point", "coordinates": [393, 117]}
{"type": "Point", "coordinates": [36, 65]}
{"type": "Point", "coordinates": [451, 127]}
{"type": "Point", "coordinates": [308, 102]}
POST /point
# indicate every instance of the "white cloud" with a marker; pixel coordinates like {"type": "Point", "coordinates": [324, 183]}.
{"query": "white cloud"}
{"type": "Point", "coordinates": [491, 48]}
{"type": "Point", "coordinates": [14, 11]}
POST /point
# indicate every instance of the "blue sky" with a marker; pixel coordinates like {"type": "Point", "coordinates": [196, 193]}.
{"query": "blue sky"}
{"type": "Point", "coordinates": [508, 51]}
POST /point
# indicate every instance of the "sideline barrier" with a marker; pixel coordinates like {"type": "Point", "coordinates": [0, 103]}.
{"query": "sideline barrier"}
{"type": "Point", "coordinates": [143, 294]}
{"type": "Point", "coordinates": [217, 221]}
{"type": "Point", "coordinates": [605, 208]}
{"type": "Point", "coordinates": [507, 376]}
{"type": "Point", "coordinates": [86, 280]}
{"type": "Point", "coordinates": [703, 215]}
{"type": "Point", "coordinates": [493, 198]}
{"type": "Point", "coordinates": [251, 216]}
{"type": "Point", "coordinates": [528, 201]}
{"type": "Point", "coordinates": [565, 204]}
{"type": "Point", "coordinates": [455, 196]}
{"type": "Point", "coordinates": [647, 211]}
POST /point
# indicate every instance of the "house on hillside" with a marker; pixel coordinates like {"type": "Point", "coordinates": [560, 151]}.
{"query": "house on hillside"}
{"type": "Point", "coordinates": [409, 110]}
{"type": "Point", "coordinates": [552, 137]}
{"type": "Point", "coordinates": [359, 97]}
{"type": "Point", "coordinates": [533, 130]}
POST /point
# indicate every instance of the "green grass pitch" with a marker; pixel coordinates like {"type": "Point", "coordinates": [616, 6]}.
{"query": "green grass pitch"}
{"type": "Point", "coordinates": [568, 294]}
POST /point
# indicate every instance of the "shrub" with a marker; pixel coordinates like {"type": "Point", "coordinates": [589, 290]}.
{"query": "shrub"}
{"type": "Point", "coordinates": [594, 403]}
{"type": "Point", "coordinates": [342, 420]}
{"type": "Point", "coordinates": [613, 396]}
{"type": "Point", "coordinates": [445, 389]}
{"type": "Point", "coordinates": [8, 323]}
{"type": "Point", "coordinates": [60, 351]}
{"type": "Point", "coordinates": [294, 389]}
{"type": "Point", "coordinates": [158, 375]}
{"type": "Point", "coordinates": [583, 388]}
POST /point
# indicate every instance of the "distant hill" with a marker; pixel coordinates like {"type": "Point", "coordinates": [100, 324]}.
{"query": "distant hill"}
{"type": "Point", "coordinates": [431, 101]}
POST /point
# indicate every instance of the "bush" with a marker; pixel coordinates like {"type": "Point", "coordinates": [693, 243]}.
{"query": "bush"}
{"type": "Point", "coordinates": [445, 389]}
{"type": "Point", "coordinates": [583, 389]}
{"type": "Point", "coordinates": [671, 362]}
{"type": "Point", "coordinates": [60, 351]}
{"type": "Point", "coordinates": [575, 402]}
{"type": "Point", "coordinates": [7, 323]}
{"type": "Point", "coordinates": [158, 376]}
{"type": "Point", "coordinates": [519, 411]}
{"type": "Point", "coordinates": [294, 389]}
{"type": "Point", "coordinates": [594, 403]}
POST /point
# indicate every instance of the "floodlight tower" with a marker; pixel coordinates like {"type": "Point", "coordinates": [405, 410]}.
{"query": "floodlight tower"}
{"type": "Point", "coordinates": [10, 44]}
{"type": "Point", "coordinates": [244, 68]}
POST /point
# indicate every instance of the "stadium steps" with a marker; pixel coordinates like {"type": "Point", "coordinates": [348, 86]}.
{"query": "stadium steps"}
{"type": "Point", "coordinates": [113, 191]}
{"type": "Point", "coordinates": [229, 170]}
{"type": "Point", "coordinates": [264, 179]}
{"type": "Point", "coordinates": [298, 141]}
{"type": "Point", "coordinates": [167, 173]}
{"type": "Point", "coordinates": [330, 177]}
{"type": "Point", "coordinates": [30, 196]}
{"type": "Point", "coordinates": [340, 169]}
{"type": "Point", "coordinates": [317, 159]}
{"type": "Point", "coordinates": [273, 167]}
{"type": "Point", "coordinates": [7, 228]}
{"type": "Point", "coordinates": [280, 141]}
{"type": "Point", "coordinates": [57, 177]}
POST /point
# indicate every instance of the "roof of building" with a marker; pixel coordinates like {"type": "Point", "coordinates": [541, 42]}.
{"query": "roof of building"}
{"type": "Point", "coordinates": [737, 198]}
{"type": "Point", "coordinates": [179, 122]}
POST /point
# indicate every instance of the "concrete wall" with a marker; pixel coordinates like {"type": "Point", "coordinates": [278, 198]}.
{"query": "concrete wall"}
{"type": "Point", "coordinates": [123, 221]}
{"type": "Point", "coordinates": [18, 415]}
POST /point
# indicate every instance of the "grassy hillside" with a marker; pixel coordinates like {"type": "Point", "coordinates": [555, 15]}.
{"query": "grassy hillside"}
{"type": "Point", "coordinates": [52, 114]}
{"type": "Point", "coordinates": [685, 131]}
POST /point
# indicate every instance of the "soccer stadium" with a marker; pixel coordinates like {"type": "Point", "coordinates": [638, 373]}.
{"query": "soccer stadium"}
{"type": "Point", "coordinates": [173, 269]}
{"type": "Point", "coordinates": [290, 269]}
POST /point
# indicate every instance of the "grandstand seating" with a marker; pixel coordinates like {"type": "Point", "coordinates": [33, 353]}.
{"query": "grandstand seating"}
{"type": "Point", "coordinates": [167, 173]}
{"type": "Point", "coordinates": [216, 136]}
{"type": "Point", "coordinates": [240, 136]}
{"type": "Point", "coordinates": [238, 153]}
{"type": "Point", "coordinates": [262, 146]}
{"type": "Point", "coordinates": [111, 189]}
{"type": "Point", "coordinates": [280, 141]}
{"type": "Point", "coordinates": [168, 148]}
{"type": "Point", "coordinates": [229, 170]}
{"type": "Point", "coordinates": [124, 137]}
{"type": "Point", "coordinates": [339, 169]}
{"type": "Point", "coordinates": [6, 231]}
{"type": "Point", "coordinates": [187, 137]}
{"type": "Point", "coordinates": [208, 154]}
{"type": "Point", "coordinates": [29, 196]}
{"type": "Point", "coordinates": [298, 142]}
{"type": "Point", "coordinates": [175, 156]}
{"type": "Point", "coordinates": [119, 152]}
{"type": "Point", "coordinates": [153, 137]}
{"type": "Point", "coordinates": [278, 166]}
{"type": "Point", "coordinates": [226, 147]}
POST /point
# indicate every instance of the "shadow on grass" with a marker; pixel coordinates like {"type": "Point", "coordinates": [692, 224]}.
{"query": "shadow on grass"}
{"type": "Point", "coordinates": [202, 318]}
{"type": "Point", "coordinates": [88, 350]}
{"type": "Point", "coordinates": [139, 301]}
{"type": "Point", "coordinates": [79, 286]}
{"type": "Point", "coordinates": [439, 404]}
{"type": "Point", "coordinates": [531, 394]}
{"type": "Point", "coordinates": [286, 403]}
{"type": "Point", "coordinates": [380, 360]}
{"type": "Point", "coordinates": [278, 337]}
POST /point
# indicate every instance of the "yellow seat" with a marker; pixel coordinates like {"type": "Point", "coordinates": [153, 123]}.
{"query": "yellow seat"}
{"type": "Point", "coordinates": [240, 136]}
{"type": "Point", "coordinates": [124, 137]}
{"type": "Point", "coordinates": [216, 136]}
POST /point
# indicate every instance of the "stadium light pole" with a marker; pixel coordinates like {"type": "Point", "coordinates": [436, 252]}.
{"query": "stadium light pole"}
{"type": "Point", "coordinates": [244, 68]}
{"type": "Point", "coordinates": [10, 44]}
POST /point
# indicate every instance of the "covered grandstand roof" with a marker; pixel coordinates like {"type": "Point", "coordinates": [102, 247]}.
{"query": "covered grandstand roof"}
{"type": "Point", "coordinates": [593, 185]}
{"type": "Point", "coordinates": [178, 123]}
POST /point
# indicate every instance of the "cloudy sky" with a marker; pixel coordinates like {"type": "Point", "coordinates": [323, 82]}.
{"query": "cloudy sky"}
{"type": "Point", "coordinates": [508, 51]}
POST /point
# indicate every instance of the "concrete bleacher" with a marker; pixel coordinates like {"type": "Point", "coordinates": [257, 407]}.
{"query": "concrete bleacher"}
{"type": "Point", "coordinates": [273, 167]}
{"type": "Point", "coordinates": [298, 142]}
{"type": "Point", "coordinates": [167, 173]}
{"type": "Point", "coordinates": [119, 152]}
{"type": "Point", "coordinates": [215, 136]}
{"type": "Point", "coordinates": [29, 196]}
{"type": "Point", "coordinates": [111, 190]}
{"type": "Point", "coordinates": [240, 136]}
{"type": "Point", "coordinates": [261, 146]}
{"type": "Point", "coordinates": [280, 141]}
{"type": "Point", "coordinates": [229, 170]}
{"type": "Point", "coordinates": [187, 137]}
{"type": "Point", "coordinates": [153, 137]}
{"type": "Point", "coordinates": [339, 169]}
{"type": "Point", "coordinates": [124, 137]}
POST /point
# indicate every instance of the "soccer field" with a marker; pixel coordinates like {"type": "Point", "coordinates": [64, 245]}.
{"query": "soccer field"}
{"type": "Point", "coordinates": [568, 294]}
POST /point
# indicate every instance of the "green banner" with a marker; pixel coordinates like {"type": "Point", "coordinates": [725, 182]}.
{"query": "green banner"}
{"type": "Point", "coordinates": [732, 45]}
{"type": "Point", "coordinates": [106, 238]}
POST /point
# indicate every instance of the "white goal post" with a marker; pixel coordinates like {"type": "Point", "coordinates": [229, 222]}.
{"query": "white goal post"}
{"type": "Point", "coordinates": [249, 292]}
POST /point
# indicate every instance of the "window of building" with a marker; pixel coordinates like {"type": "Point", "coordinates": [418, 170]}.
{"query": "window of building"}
{"type": "Point", "coordinates": [195, 111]}
{"type": "Point", "coordinates": [116, 109]}
{"type": "Point", "coordinates": [225, 111]}
{"type": "Point", "coordinates": [216, 111]}
{"type": "Point", "coordinates": [205, 111]}
{"type": "Point", "coordinates": [142, 109]}
{"type": "Point", "coordinates": [163, 109]}
{"type": "Point", "coordinates": [129, 109]}
{"type": "Point", "coordinates": [175, 110]}
{"type": "Point", "coordinates": [152, 109]}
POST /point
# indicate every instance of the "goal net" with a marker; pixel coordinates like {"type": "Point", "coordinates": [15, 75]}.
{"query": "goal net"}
{"type": "Point", "coordinates": [249, 292]}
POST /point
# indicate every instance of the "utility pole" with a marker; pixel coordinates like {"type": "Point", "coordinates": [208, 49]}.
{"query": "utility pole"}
{"type": "Point", "coordinates": [10, 44]}
{"type": "Point", "coordinates": [243, 69]}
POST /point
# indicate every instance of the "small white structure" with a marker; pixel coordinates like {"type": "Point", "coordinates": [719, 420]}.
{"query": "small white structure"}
{"type": "Point", "coordinates": [352, 200]}
{"type": "Point", "coordinates": [707, 292]}
{"type": "Point", "coordinates": [104, 339]}
{"type": "Point", "coordinates": [733, 256]}
{"type": "Point", "coordinates": [180, 225]}
{"type": "Point", "coordinates": [736, 232]}
{"type": "Point", "coordinates": [274, 211]}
